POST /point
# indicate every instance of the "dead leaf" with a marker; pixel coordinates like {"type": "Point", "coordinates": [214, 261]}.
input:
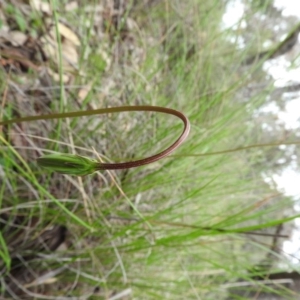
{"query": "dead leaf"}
{"type": "Point", "coordinates": [66, 33]}
{"type": "Point", "coordinates": [18, 58]}
{"type": "Point", "coordinates": [70, 57]}
{"type": "Point", "coordinates": [17, 38]}
{"type": "Point", "coordinates": [55, 76]}
{"type": "Point", "coordinates": [83, 92]}
{"type": "Point", "coordinates": [41, 6]}
{"type": "Point", "coordinates": [71, 6]}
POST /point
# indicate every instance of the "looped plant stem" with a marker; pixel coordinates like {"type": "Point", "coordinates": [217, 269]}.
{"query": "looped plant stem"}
{"type": "Point", "coordinates": [123, 165]}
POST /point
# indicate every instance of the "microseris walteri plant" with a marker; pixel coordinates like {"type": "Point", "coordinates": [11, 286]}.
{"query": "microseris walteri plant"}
{"type": "Point", "coordinates": [66, 163]}
{"type": "Point", "coordinates": [73, 164]}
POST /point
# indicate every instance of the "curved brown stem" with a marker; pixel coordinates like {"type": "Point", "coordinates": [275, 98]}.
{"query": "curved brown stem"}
{"type": "Point", "coordinates": [124, 165]}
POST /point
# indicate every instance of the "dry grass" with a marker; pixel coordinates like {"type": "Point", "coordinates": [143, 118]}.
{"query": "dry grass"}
{"type": "Point", "coordinates": [131, 53]}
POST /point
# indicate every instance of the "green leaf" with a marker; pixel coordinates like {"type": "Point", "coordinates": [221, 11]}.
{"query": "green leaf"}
{"type": "Point", "coordinates": [4, 253]}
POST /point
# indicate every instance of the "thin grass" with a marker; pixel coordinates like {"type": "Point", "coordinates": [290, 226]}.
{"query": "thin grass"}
{"type": "Point", "coordinates": [185, 198]}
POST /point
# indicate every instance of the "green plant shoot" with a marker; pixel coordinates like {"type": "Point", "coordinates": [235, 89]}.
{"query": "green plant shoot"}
{"type": "Point", "coordinates": [71, 164]}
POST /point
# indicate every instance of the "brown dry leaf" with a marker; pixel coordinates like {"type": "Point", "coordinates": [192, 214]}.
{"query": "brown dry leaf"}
{"type": "Point", "coordinates": [40, 6]}
{"type": "Point", "coordinates": [17, 38]}
{"type": "Point", "coordinates": [55, 76]}
{"type": "Point", "coordinates": [14, 57]}
{"type": "Point", "coordinates": [70, 55]}
{"type": "Point", "coordinates": [83, 92]}
{"type": "Point", "coordinates": [66, 33]}
{"type": "Point", "coordinates": [71, 6]}
{"type": "Point", "coordinates": [69, 42]}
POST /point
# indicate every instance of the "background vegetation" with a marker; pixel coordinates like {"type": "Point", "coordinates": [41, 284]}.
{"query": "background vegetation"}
{"type": "Point", "coordinates": [200, 224]}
